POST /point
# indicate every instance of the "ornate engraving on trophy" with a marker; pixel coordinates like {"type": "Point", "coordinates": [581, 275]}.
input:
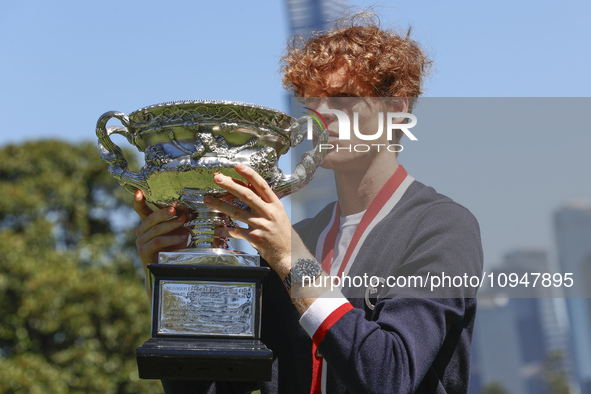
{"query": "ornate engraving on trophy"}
{"type": "Point", "coordinates": [206, 308]}
{"type": "Point", "coordinates": [186, 142]}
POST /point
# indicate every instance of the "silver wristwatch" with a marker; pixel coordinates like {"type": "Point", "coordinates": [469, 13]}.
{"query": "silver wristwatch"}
{"type": "Point", "coordinates": [303, 268]}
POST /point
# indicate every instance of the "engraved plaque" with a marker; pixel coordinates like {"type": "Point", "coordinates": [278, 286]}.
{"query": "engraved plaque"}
{"type": "Point", "coordinates": [206, 308]}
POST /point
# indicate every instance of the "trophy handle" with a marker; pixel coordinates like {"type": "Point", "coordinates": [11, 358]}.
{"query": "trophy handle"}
{"type": "Point", "coordinates": [112, 154]}
{"type": "Point", "coordinates": [310, 161]}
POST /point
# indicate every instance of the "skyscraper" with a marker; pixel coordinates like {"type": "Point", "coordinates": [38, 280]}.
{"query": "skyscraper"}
{"type": "Point", "coordinates": [306, 17]}
{"type": "Point", "coordinates": [518, 332]}
{"type": "Point", "coordinates": [572, 224]}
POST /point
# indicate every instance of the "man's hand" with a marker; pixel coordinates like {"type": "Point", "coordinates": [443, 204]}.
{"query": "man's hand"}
{"type": "Point", "coordinates": [160, 231]}
{"type": "Point", "coordinates": [269, 230]}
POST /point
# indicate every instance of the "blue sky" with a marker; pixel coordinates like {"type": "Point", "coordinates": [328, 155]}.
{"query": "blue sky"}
{"type": "Point", "coordinates": [64, 63]}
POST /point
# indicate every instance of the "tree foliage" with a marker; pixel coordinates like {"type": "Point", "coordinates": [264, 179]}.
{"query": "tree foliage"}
{"type": "Point", "coordinates": [73, 308]}
{"type": "Point", "coordinates": [555, 374]}
{"type": "Point", "coordinates": [67, 184]}
{"type": "Point", "coordinates": [493, 388]}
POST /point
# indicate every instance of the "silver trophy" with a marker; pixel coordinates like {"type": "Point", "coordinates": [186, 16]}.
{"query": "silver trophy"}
{"type": "Point", "coordinates": [206, 298]}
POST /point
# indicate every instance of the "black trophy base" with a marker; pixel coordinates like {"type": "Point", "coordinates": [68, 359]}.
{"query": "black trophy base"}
{"type": "Point", "coordinates": [233, 360]}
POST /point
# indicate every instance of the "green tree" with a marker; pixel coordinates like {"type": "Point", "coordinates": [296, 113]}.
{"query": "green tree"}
{"type": "Point", "coordinates": [493, 388]}
{"type": "Point", "coordinates": [73, 308]}
{"type": "Point", "coordinates": [555, 374]}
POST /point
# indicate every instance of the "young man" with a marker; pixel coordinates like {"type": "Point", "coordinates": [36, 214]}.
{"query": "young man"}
{"type": "Point", "coordinates": [382, 339]}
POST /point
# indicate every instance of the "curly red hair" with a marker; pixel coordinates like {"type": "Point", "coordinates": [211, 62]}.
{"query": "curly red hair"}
{"type": "Point", "coordinates": [393, 65]}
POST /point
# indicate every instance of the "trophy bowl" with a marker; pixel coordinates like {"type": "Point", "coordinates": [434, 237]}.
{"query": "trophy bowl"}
{"type": "Point", "coordinates": [186, 142]}
{"type": "Point", "coordinates": [206, 299]}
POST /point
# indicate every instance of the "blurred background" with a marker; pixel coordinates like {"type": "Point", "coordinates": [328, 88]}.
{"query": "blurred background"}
{"type": "Point", "coordinates": [506, 135]}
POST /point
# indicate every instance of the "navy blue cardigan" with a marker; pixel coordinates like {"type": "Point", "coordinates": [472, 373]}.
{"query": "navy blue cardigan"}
{"type": "Point", "coordinates": [408, 343]}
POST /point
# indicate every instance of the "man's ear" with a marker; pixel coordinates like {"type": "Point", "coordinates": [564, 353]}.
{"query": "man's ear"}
{"type": "Point", "coordinates": [399, 104]}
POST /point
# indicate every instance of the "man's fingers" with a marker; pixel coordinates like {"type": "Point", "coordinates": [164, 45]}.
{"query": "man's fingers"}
{"type": "Point", "coordinates": [259, 184]}
{"type": "Point", "coordinates": [147, 233]}
{"type": "Point", "coordinates": [233, 232]}
{"type": "Point", "coordinates": [232, 211]}
{"type": "Point", "coordinates": [243, 193]}
{"type": "Point", "coordinates": [149, 251]}
{"type": "Point", "coordinates": [156, 217]}
{"type": "Point", "coordinates": [256, 196]}
{"type": "Point", "coordinates": [165, 241]}
{"type": "Point", "coordinates": [140, 206]}
{"type": "Point", "coordinates": [159, 231]}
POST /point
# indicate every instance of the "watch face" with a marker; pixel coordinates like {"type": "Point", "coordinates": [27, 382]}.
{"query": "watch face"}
{"type": "Point", "coordinates": [306, 268]}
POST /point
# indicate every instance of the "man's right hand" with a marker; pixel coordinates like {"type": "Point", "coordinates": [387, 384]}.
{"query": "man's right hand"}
{"type": "Point", "coordinates": [160, 231]}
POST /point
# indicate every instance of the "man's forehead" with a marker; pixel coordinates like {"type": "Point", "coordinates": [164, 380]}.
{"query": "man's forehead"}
{"type": "Point", "coordinates": [341, 80]}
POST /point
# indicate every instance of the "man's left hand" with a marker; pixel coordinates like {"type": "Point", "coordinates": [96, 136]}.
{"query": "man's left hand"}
{"type": "Point", "coordinates": [269, 230]}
